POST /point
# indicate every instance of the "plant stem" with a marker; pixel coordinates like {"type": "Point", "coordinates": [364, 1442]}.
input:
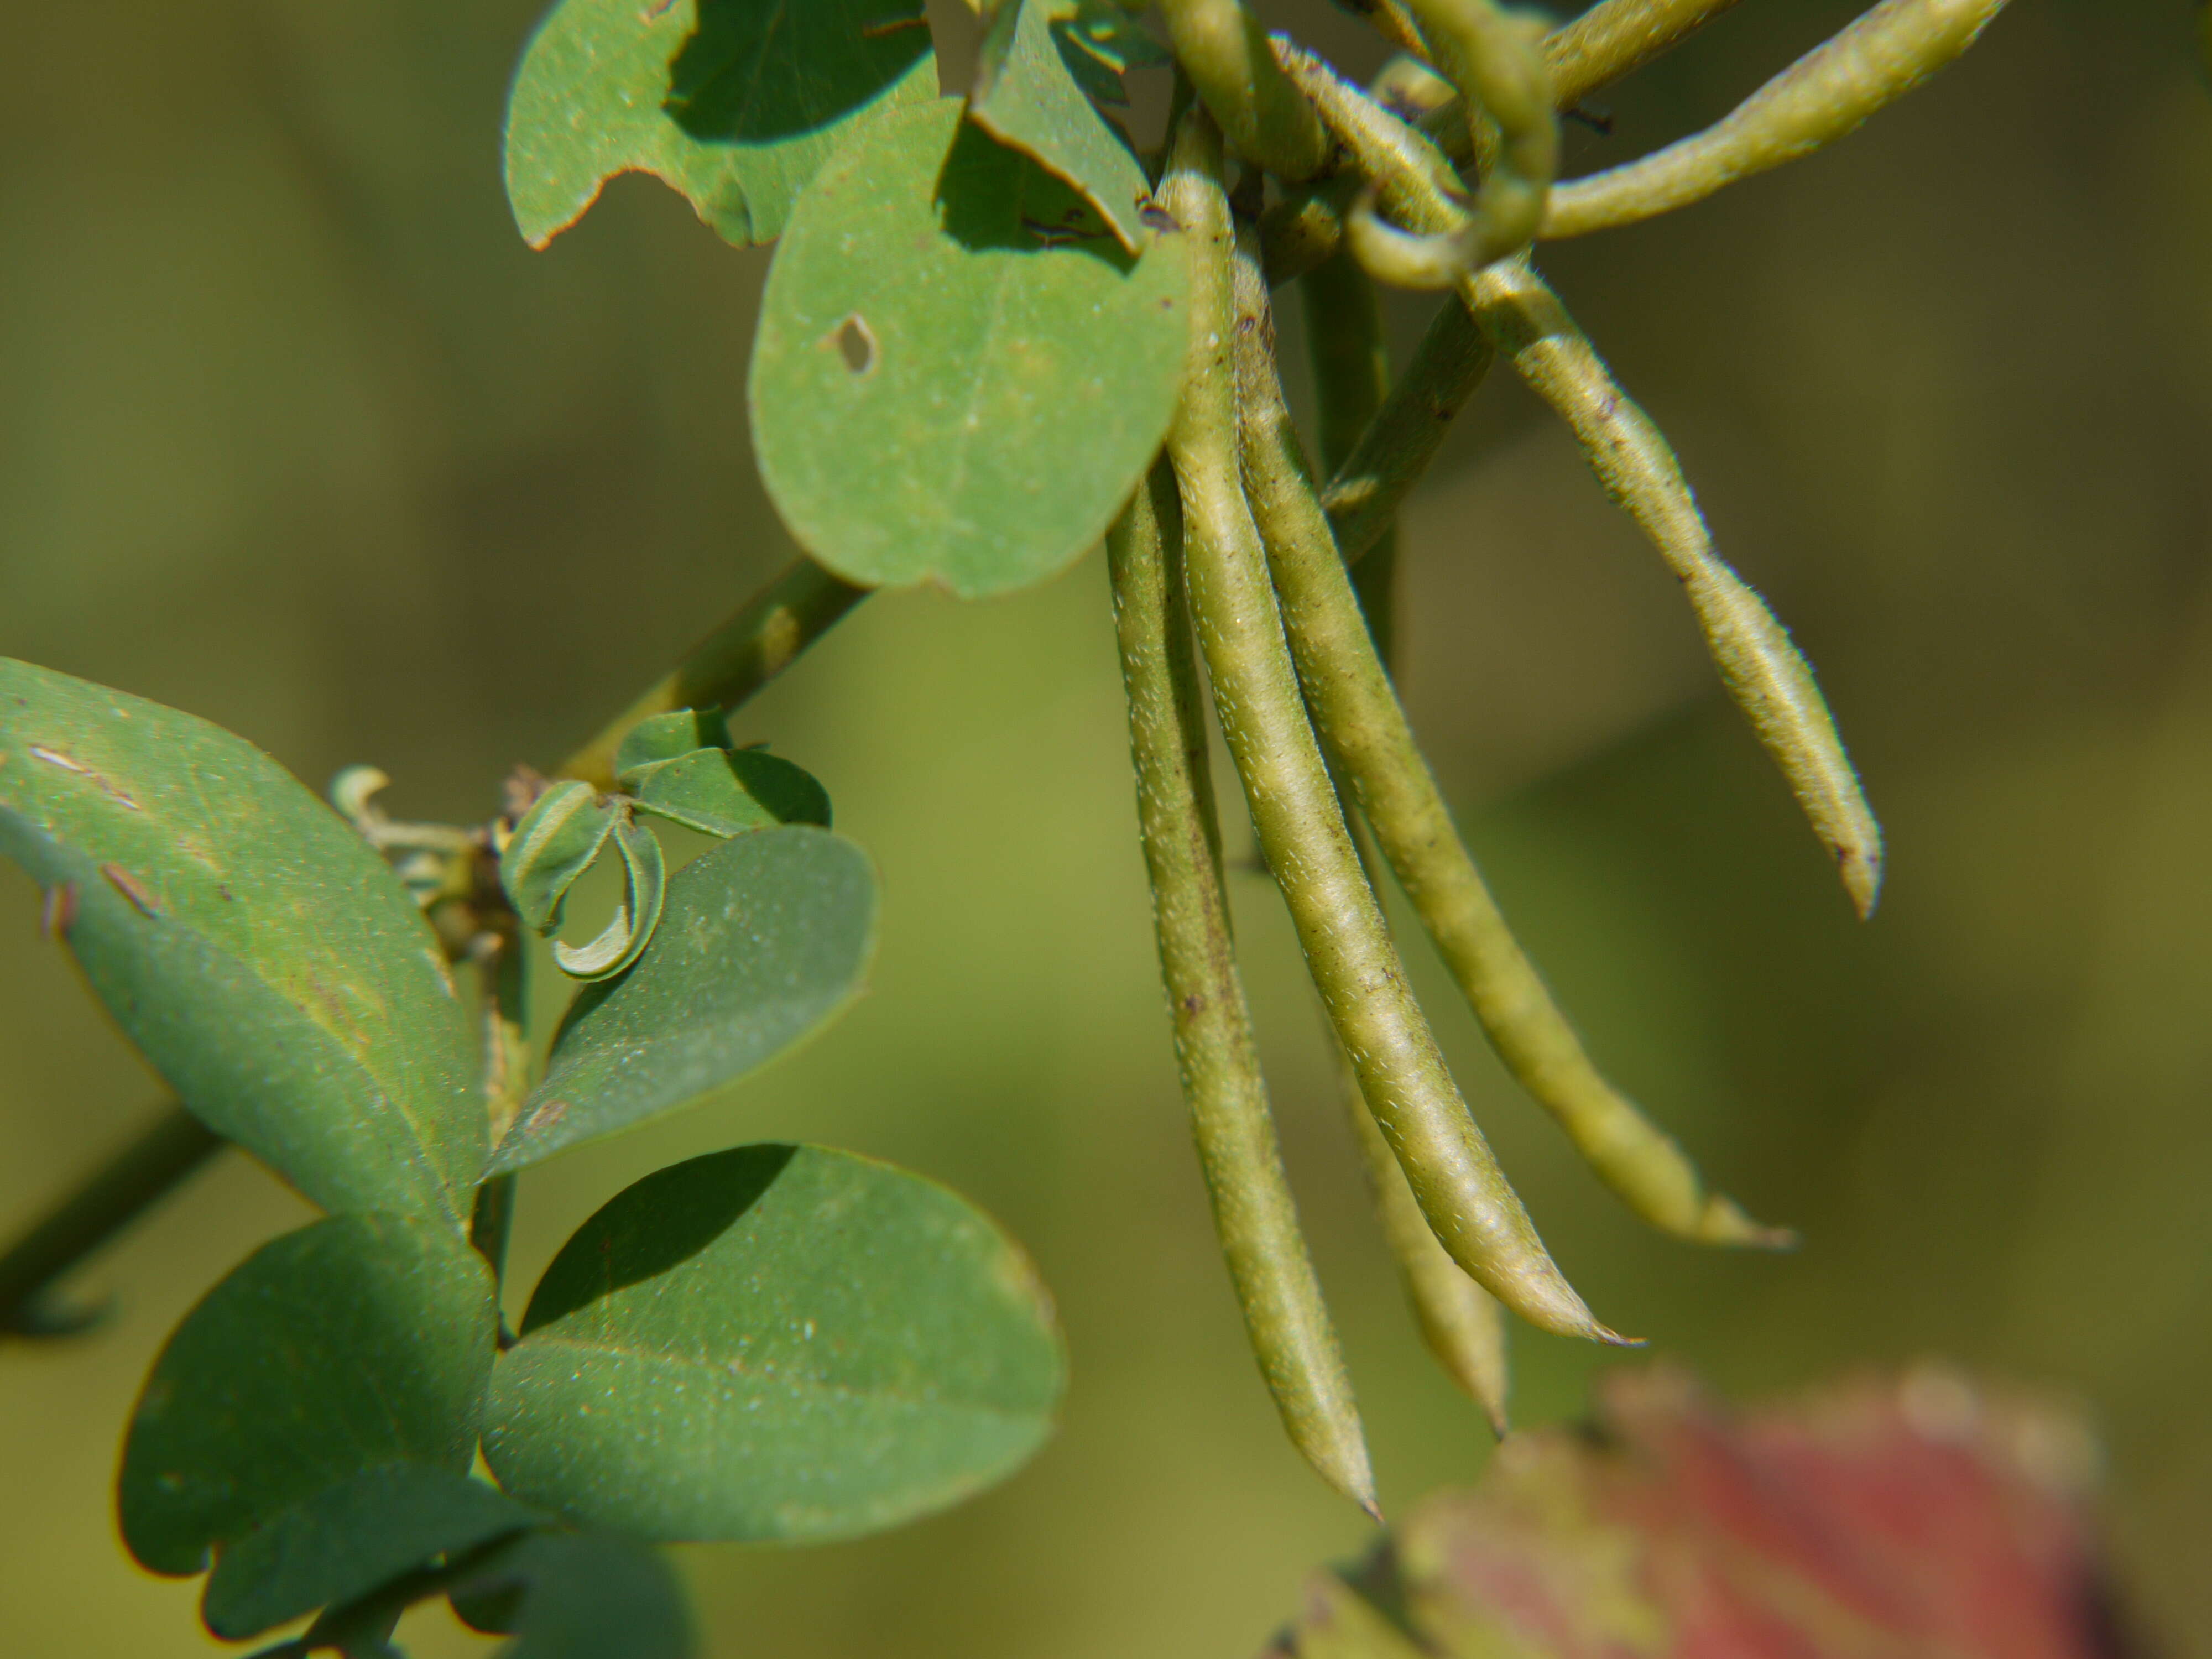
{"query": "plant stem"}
{"type": "Point", "coordinates": [502, 961]}
{"type": "Point", "coordinates": [1348, 953]}
{"type": "Point", "coordinates": [1222, 48]}
{"type": "Point", "coordinates": [132, 1183]}
{"type": "Point", "coordinates": [1609, 40]}
{"type": "Point", "coordinates": [802, 603]}
{"type": "Point", "coordinates": [1365, 730]}
{"type": "Point", "coordinates": [1253, 1213]}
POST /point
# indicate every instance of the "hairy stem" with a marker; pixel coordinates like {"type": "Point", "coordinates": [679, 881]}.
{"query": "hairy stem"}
{"type": "Point", "coordinates": [798, 605]}
{"type": "Point", "coordinates": [1224, 50]}
{"type": "Point", "coordinates": [155, 1163]}
{"type": "Point", "coordinates": [1818, 99]}
{"type": "Point", "coordinates": [1612, 39]}
{"type": "Point", "coordinates": [1760, 664]}
{"type": "Point", "coordinates": [1253, 1213]}
{"type": "Point", "coordinates": [1462, 1192]}
{"type": "Point", "coordinates": [1365, 730]}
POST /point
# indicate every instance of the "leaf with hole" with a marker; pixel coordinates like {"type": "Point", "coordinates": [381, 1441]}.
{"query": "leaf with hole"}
{"type": "Point", "coordinates": [346, 1541]}
{"type": "Point", "coordinates": [261, 954]}
{"type": "Point", "coordinates": [356, 1343]}
{"type": "Point", "coordinates": [959, 376]}
{"type": "Point", "coordinates": [775, 1343]}
{"type": "Point", "coordinates": [762, 941]}
{"type": "Point", "coordinates": [1027, 96]}
{"type": "Point", "coordinates": [734, 103]}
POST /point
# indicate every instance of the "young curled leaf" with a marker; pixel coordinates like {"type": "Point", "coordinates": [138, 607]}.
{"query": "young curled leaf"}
{"type": "Point", "coordinates": [557, 841]}
{"type": "Point", "coordinates": [645, 882]}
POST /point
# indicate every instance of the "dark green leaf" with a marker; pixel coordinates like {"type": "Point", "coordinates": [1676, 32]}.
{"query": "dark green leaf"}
{"type": "Point", "coordinates": [763, 940]}
{"type": "Point", "coordinates": [360, 1341]}
{"type": "Point", "coordinates": [724, 791]}
{"type": "Point", "coordinates": [776, 1342]}
{"type": "Point", "coordinates": [1027, 96]}
{"type": "Point", "coordinates": [735, 103]}
{"type": "Point", "coordinates": [262, 954]}
{"type": "Point", "coordinates": [958, 376]}
{"type": "Point", "coordinates": [582, 1595]}
{"type": "Point", "coordinates": [348, 1539]}
{"type": "Point", "coordinates": [660, 737]}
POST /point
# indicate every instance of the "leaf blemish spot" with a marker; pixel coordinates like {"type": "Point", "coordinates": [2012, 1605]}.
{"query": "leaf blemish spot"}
{"type": "Point", "coordinates": [132, 889]}
{"type": "Point", "coordinates": [856, 344]}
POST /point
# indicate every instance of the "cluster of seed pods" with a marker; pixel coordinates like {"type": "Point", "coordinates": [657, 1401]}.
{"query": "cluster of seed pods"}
{"type": "Point", "coordinates": [1232, 554]}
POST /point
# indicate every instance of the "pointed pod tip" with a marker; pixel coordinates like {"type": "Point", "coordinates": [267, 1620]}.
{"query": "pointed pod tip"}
{"type": "Point", "coordinates": [1861, 869]}
{"type": "Point", "coordinates": [1725, 1223]}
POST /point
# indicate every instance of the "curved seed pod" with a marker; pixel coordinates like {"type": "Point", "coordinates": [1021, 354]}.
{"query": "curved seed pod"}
{"type": "Point", "coordinates": [1224, 50]}
{"type": "Point", "coordinates": [1285, 1315]}
{"type": "Point", "coordinates": [555, 842]}
{"type": "Point", "coordinates": [1817, 100]}
{"type": "Point", "coordinates": [1464, 1195]}
{"type": "Point", "coordinates": [645, 883]}
{"type": "Point", "coordinates": [1761, 667]}
{"type": "Point", "coordinates": [1460, 1323]}
{"type": "Point", "coordinates": [1365, 729]}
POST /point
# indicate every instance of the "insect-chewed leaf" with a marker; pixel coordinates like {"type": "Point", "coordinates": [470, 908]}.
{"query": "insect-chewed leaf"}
{"type": "Point", "coordinates": [578, 1595]}
{"type": "Point", "coordinates": [959, 376]}
{"type": "Point", "coordinates": [775, 1343]}
{"type": "Point", "coordinates": [762, 941]}
{"type": "Point", "coordinates": [348, 1539]}
{"type": "Point", "coordinates": [735, 103]}
{"type": "Point", "coordinates": [362, 1341]}
{"type": "Point", "coordinates": [261, 954]}
{"type": "Point", "coordinates": [559, 838]}
{"type": "Point", "coordinates": [1027, 96]}
{"type": "Point", "coordinates": [660, 737]}
{"type": "Point", "coordinates": [731, 791]}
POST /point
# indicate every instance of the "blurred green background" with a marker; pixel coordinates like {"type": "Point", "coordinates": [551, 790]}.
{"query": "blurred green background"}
{"type": "Point", "coordinates": [294, 433]}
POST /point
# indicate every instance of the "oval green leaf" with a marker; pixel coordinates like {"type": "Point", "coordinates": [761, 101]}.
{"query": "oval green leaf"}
{"type": "Point", "coordinates": [360, 1341]}
{"type": "Point", "coordinates": [734, 103]}
{"type": "Point", "coordinates": [659, 737]}
{"type": "Point", "coordinates": [775, 1343]}
{"type": "Point", "coordinates": [959, 375]}
{"type": "Point", "coordinates": [762, 941]}
{"type": "Point", "coordinates": [731, 791]}
{"type": "Point", "coordinates": [260, 953]}
{"type": "Point", "coordinates": [350, 1540]}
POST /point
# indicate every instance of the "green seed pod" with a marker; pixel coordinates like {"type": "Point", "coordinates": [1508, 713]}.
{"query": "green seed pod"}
{"type": "Point", "coordinates": [1363, 726]}
{"type": "Point", "coordinates": [645, 883]}
{"type": "Point", "coordinates": [1816, 100]}
{"type": "Point", "coordinates": [557, 841]}
{"type": "Point", "coordinates": [659, 738]}
{"type": "Point", "coordinates": [1464, 1195]}
{"type": "Point", "coordinates": [1253, 1213]}
{"type": "Point", "coordinates": [1761, 667]}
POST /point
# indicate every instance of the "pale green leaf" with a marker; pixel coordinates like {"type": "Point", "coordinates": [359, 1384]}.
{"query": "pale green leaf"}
{"type": "Point", "coordinates": [735, 103]}
{"type": "Point", "coordinates": [358, 1342]}
{"type": "Point", "coordinates": [558, 839]}
{"type": "Point", "coordinates": [775, 1343]}
{"type": "Point", "coordinates": [260, 953]}
{"type": "Point", "coordinates": [730, 791]}
{"type": "Point", "coordinates": [959, 376]}
{"type": "Point", "coordinates": [762, 941]}
{"type": "Point", "coordinates": [1027, 96]}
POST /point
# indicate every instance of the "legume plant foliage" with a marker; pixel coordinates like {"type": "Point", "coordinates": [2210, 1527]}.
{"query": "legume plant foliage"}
{"type": "Point", "coordinates": [998, 328]}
